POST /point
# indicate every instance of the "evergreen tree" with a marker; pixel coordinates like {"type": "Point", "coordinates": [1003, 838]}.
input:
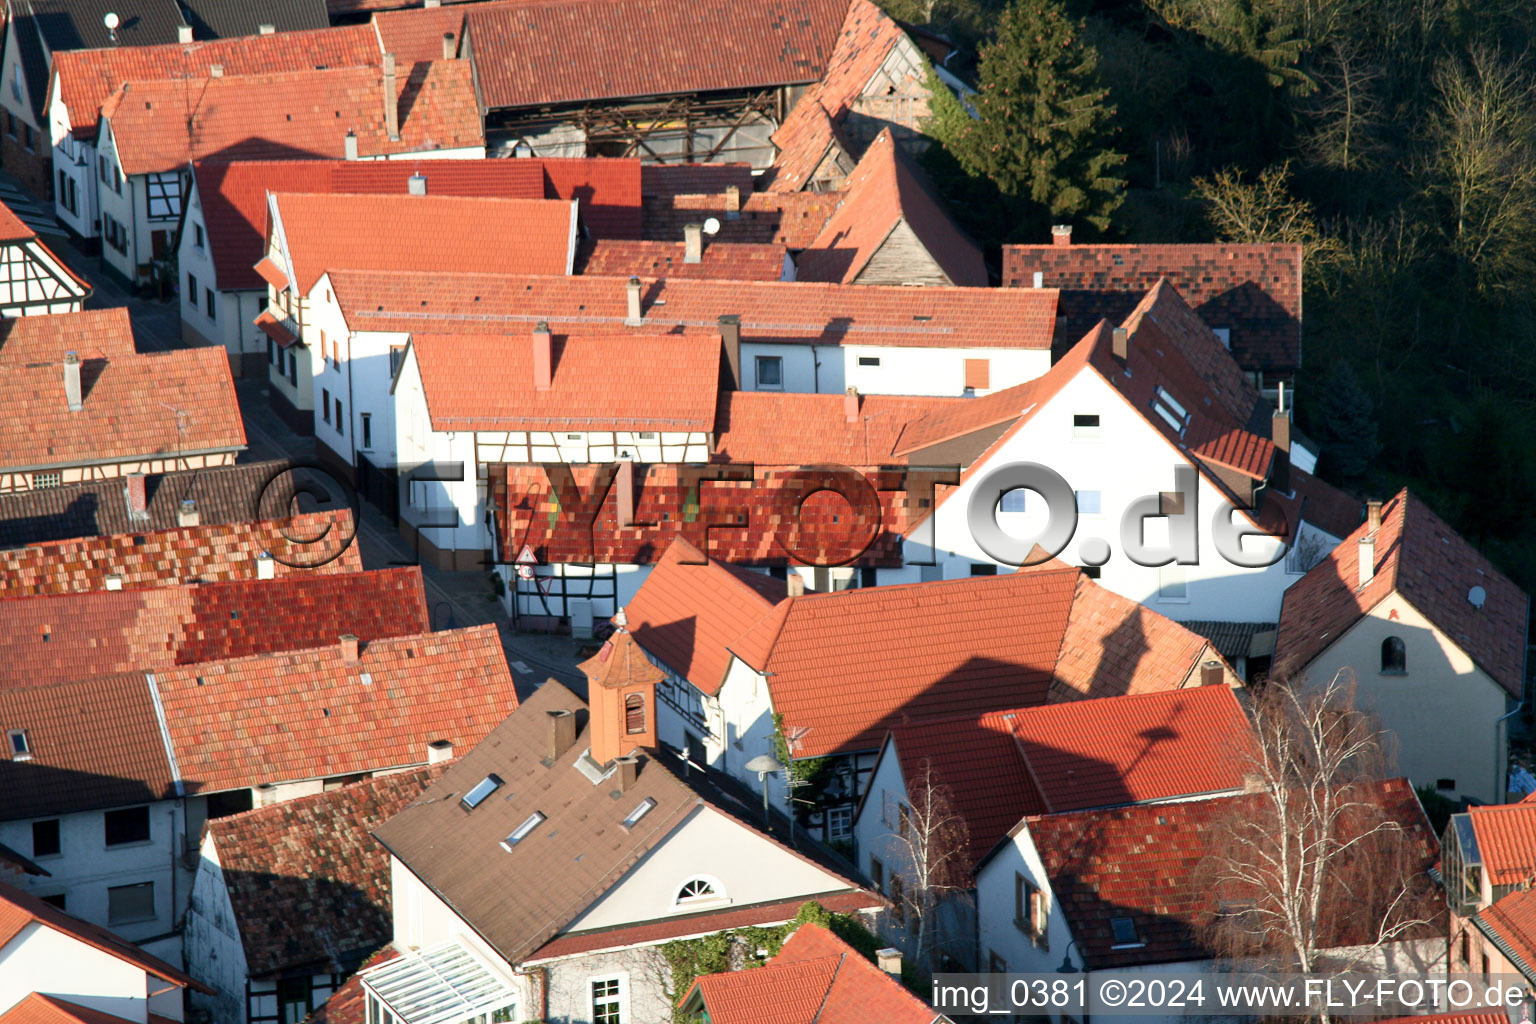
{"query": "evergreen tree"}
{"type": "Point", "coordinates": [1044, 126]}
{"type": "Point", "coordinates": [1347, 424]}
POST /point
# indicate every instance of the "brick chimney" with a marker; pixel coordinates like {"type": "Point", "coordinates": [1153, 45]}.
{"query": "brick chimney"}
{"type": "Point", "coordinates": [1061, 234]}
{"type": "Point", "coordinates": [416, 185]}
{"type": "Point", "coordinates": [391, 99]}
{"type": "Point", "coordinates": [627, 773]}
{"type": "Point", "coordinates": [1211, 673]}
{"type": "Point", "coordinates": [188, 515]}
{"type": "Point", "coordinates": [632, 304]}
{"type": "Point", "coordinates": [1367, 558]}
{"type": "Point", "coordinates": [624, 485]}
{"type": "Point", "coordinates": [730, 341]}
{"type": "Point", "coordinates": [349, 146]}
{"type": "Point", "coordinates": [349, 648]}
{"type": "Point", "coordinates": [733, 202]}
{"type": "Point", "coordinates": [543, 357]}
{"type": "Point", "coordinates": [693, 243]}
{"type": "Point", "coordinates": [1120, 344]}
{"type": "Point", "coordinates": [889, 960]}
{"type": "Point", "coordinates": [851, 405]}
{"type": "Point", "coordinates": [1372, 517]}
{"type": "Point", "coordinates": [266, 30]}
{"type": "Point", "coordinates": [72, 382]}
{"type": "Point", "coordinates": [562, 734]}
{"type": "Point", "coordinates": [134, 493]}
{"type": "Point", "coordinates": [183, 34]}
{"type": "Point", "coordinates": [450, 51]}
{"type": "Point", "coordinates": [795, 583]}
{"type": "Point", "coordinates": [439, 751]}
{"type": "Point", "coordinates": [1280, 434]}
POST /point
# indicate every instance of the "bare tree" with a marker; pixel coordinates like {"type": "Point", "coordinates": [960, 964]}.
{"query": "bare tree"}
{"type": "Point", "coordinates": [1314, 871]}
{"type": "Point", "coordinates": [1263, 211]}
{"type": "Point", "coordinates": [1347, 112]}
{"type": "Point", "coordinates": [933, 845]}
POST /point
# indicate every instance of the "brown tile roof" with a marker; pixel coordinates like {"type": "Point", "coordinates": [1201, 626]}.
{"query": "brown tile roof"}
{"type": "Point", "coordinates": [619, 662]}
{"type": "Point", "coordinates": [884, 192]}
{"type": "Point", "coordinates": [732, 261]}
{"type": "Point", "coordinates": [183, 554]}
{"type": "Point", "coordinates": [1421, 558]}
{"type": "Point", "coordinates": [308, 714]}
{"type": "Point", "coordinates": [1506, 838]}
{"type": "Point", "coordinates": [92, 333]}
{"type": "Point", "coordinates": [1253, 289]}
{"type": "Point", "coordinates": [567, 51]}
{"type": "Point", "coordinates": [341, 232]}
{"type": "Point", "coordinates": [19, 909]}
{"type": "Point", "coordinates": [770, 311]}
{"type": "Point", "coordinates": [125, 416]}
{"type": "Point", "coordinates": [164, 125]}
{"type": "Point", "coordinates": [578, 852]}
{"type": "Point", "coordinates": [790, 219]}
{"type": "Point", "coordinates": [315, 859]}
{"type": "Point", "coordinates": [815, 978]}
{"type": "Point", "coordinates": [1149, 863]}
{"type": "Point", "coordinates": [599, 382]}
{"type": "Point", "coordinates": [86, 79]}
{"type": "Point", "coordinates": [55, 639]}
{"type": "Point", "coordinates": [224, 495]}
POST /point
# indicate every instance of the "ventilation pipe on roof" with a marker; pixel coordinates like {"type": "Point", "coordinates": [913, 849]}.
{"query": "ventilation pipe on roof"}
{"type": "Point", "coordinates": [562, 733]}
{"type": "Point", "coordinates": [733, 202]}
{"type": "Point", "coordinates": [632, 309]}
{"type": "Point", "coordinates": [1211, 673]}
{"type": "Point", "coordinates": [183, 34]}
{"type": "Point", "coordinates": [889, 960]}
{"type": "Point", "coordinates": [439, 751]}
{"type": "Point", "coordinates": [693, 243]}
{"type": "Point", "coordinates": [795, 582]}
{"type": "Point", "coordinates": [391, 99]}
{"type": "Point", "coordinates": [72, 381]}
{"type": "Point", "coordinates": [1061, 234]}
{"type": "Point", "coordinates": [349, 648]}
{"type": "Point", "coordinates": [1367, 558]}
{"type": "Point", "coordinates": [266, 29]}
{"type": "Point", "coordinates": [450, 51]}
{"type": "Point", "coordinates": [188, 515]}
{"type": "Point", "coordinates": [851, 405]}
{"type": "Point", "coordinates": [730, 341]}
{"type": "Point", "coordinates": [543, 357]}
{"type": "Point", "coordinates": [416, 184]}
{"type": "Point", "coordinates": [216, 71]}
{"type": "Point", "coordinates": [1372, 517]}
{"type": "Point", "coordinates": [349, 146]}
{"type": "Point", "coordinates": [1120, 344]}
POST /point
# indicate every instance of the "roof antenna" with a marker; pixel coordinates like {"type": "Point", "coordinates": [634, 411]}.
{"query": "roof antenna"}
{"type": "Point", "coordinates": [112, 21]}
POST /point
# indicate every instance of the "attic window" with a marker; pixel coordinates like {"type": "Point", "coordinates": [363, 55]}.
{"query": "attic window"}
{"type": "Point", "coordinates": [484, 788]}
{"type": "Point", "coordinates": [1168, 407]}
{"type": "Point", "coordinates": [1085, 425]}
{"type": "Point", "coordinates": [21, 747]}
{"type": "Point", "coordinates": [1124, 929]}
{"type": "Point", "coordinates": [520, 833]}
{"type": "Point", "coordinates": [699, 889]}
{"type": "Point", "coordinates": [648, 435]}
{"type": "Point", "coordinates": [639, 812]}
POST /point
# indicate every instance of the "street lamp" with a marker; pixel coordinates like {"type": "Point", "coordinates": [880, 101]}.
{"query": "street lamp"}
{"type": "Point", "coordinates": [1067, 966]}
{"type": "Point", "coordinates": [765, 765]}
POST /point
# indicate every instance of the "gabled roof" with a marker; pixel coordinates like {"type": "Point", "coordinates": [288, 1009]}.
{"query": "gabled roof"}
{"type": "Point", "coordinates": [46, 27]}
{"type": "Point", "coordinates": [71, 636]}
{"type": "Point", "coordinates": [40, 1009]}
{"type": "Point", "coordinates": [790, 429]}
{"type": "Point", "coordinates": [314, 858]}
{"type": "Point", "coordinates": [124, 415]}
{"type": "Point", "coordinates": [1506, 839]}
{"type": "Point", "coordinates": [804, 140]}
{"type": "Point", "coordinates": [19, 909]}
{"type": "Point", "coordinates": [732, 261]}
{"type": "Point", "coordinates": [865, 40]}
{"type": "Point", "coordinates": [544, 52]}
{"type": "Point", "coordinates": [1253, 289]}
{"type": "Point", "coordinates": [1148, 863]}
{"type": "Point", "coordinates": [885, 192]}
{"type": "Point", "coordinates": [794, 313]}
{"type": "Point", "coordinates": [1511, 923]}
{"type": "Point", "coordinates": [1115, 646]}
{"type": "Point", "coordinates": [92, 333]}
{"type": "Point", "coordinates": [162, 125]}
{"type": "Point", "coordinates": [413, 31]}
{"type": "Point", "coordinates": [224, 495]}
{"type": "Point", "coordinates": [815, 978]}
{"type": "Point", "coordinates": [308, 714]}
{"type": "Point", "coordinates": [16, 231]}
{"type": "Point", "coordinates": [599, 382]}
{"type": "Point", "coordinates": [580, 849]}
{"type": "Point", "coordinates": [183, 554]}
{"type": "Point", "coordinates": [86, 79]}
{"type": "Point", "coordinates": [1421, 558]}
{"type": "Point", "coordinates": [327, 233]}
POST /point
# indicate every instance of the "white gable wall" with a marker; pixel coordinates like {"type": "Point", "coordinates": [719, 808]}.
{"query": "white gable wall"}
{"type": "Point", "coordinates": [937, 371]}
{"type": "Point", "coordinates": [211, 941]}
{"type": "Point", "coordinates": [40, 959]}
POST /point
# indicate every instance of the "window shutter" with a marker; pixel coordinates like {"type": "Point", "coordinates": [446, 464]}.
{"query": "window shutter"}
{"type": "Point", "coordinates": [978, 373]}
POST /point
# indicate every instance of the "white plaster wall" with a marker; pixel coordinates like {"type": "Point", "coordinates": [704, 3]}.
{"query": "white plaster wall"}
{"type": "Point", "coordinates": [746, 715]}
{"type": "Point", "coordinates": [807, 369]}
{"type": "Point", "coordinates": [211, 944]}
{"type": "Point", "coordinates": [645, 981]}
{"type": "Point", "coordinates": [40, 959]}
{"type": "Point", "coordinates": [199, 263]}
{"type": "Point", "coordinates": [422, 921]}
{"type": "Point", "coordinates": [119, 206]}
{"type": "Point", "coordinates": [872, 834]}
{"type": "Point", "coordinates": [996, 932]}
{"type": "Point", "coordinates": [745, 866]}
{"type": "Point", "coordinates": [937, 371]}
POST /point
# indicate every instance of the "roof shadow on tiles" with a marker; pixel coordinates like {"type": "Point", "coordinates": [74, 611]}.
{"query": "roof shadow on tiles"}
{"type": "Point", "coordinates": [342, 923]}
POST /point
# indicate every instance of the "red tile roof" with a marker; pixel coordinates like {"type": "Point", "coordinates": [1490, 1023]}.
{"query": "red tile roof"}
{"type": "Point", "coordinates": [341, 232]}
{"type": "Point", "coordinates": [315, 859]}
{"type": "Point", "coordinates": [1513, 920]}
{"type": "Point", "coordinates": [864, 41]}
{"type": "Point", "coordinates": [732, 261]}
{"type": "Point", "coordinates": [125, 416]}
{"type": "Point", "coordinates": [1253, 289]}
{"type": "Point", "coordinates": [308, 714]}
{"type": "Point", "coordinates": [601, 382]}
{"type": "Point", "coordinates": [608, 189]}
{"type": "Point", "coordinates": [770, 311]}
{"type": "Point", "coordinates": [816, 977]}
{"type": "Point", "coordinates": [1421, 558]}
{"type": "Point", "coordinates": [92, 333]}
{"type": "Point", "coordinates": [86, 79]}
{"type": "Point", "coordinates": [40, 1009]}
{"type": "Point", "coordinates": [803, 140]}
{"type": "Point", "coordinates": [164, 125]}
{"type": "Point", "coordinates": [567, 51]}
{"type": "Point", "coordinates": [414, 32]}
{"type": "Point", "coordinates": [1116, 646]}
{"type": "Point", "coordinates": [663, 181]}
{"type": "Point", "coordinates": [348, 1004]}
{"type": "Point", "coordinates": [885, 192]}
{"type": "Point", "coordinates": [183, 554]}
{"type": "Point", "coordinates": [71, 636]}
{"type": "Point", "coordinates": [790, 219]}
{"type": "Point", "coordinates": [19, 909]}
{"type": "Point", "coordinates": [1149, 863]}
{"type": "Point", "coordinates": [793, 429]}
{"type": "Point", "coordinates": [1506, 838]}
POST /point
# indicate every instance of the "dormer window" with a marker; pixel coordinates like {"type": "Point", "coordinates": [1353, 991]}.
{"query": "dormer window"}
{"type": "Point", "coordinates": [699, 889]}
{"type": "Point", "coordinates": [21, 746]}
{"type": "Point", "coordinates": [1171, 410]}
{"type": "Point", "coordinates": [482, 789]}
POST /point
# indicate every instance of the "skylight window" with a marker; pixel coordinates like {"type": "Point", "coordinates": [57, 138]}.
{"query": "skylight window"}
{"type": "Point", "coordinates": [1169, 408]}
{"type": "Point", "coordinates": [484, 788]}
{"type": "Point", "coordinates": [21, 747]}
{"type": "Point", "coordinates": [1124, 929]}
{"type": "Point", "coordinates": [639, 812]}
{"type": "Point", "coordinates": [522, 831]}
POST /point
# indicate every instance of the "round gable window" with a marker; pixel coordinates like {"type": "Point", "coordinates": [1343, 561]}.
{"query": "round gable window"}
{"type": "Point", "coordinates": [699, 889]}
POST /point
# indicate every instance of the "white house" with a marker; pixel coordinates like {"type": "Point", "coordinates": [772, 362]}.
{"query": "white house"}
{"type": "Point", "coordinates": [34, 281]}
{"type": "Point", "coordinates": [579, 849]}
{"type": "Point", "coordinates": [57, 967]}
{"type": "Point", "coordinates": [1431, 637]}
{"type": "Point", "coordinates": [1162, 443]}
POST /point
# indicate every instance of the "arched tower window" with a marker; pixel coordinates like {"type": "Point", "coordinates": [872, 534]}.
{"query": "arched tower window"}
{"type": "Point", "coordinates": [634, 714]}
{"type": "Point", "coordinates": [1394, 656]}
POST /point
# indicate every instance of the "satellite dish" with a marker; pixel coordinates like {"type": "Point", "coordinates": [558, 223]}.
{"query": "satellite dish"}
{"type": "Point", "coordinates": [1476, 596]}
{"type": "Point", "coordinates": [712, 226]}
{"type": "Point", "coordinates": [111, 21]}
